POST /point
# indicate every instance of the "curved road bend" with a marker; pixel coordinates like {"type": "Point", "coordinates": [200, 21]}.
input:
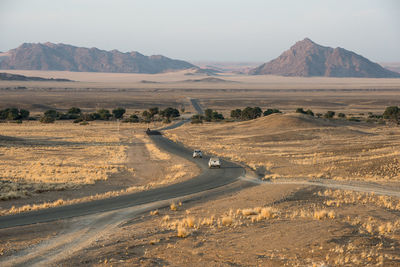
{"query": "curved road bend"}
{"type": "Point", "coordinates": [208, 179]}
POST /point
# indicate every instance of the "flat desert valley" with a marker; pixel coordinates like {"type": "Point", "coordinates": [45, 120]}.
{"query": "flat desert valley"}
{"type": "Point", "coordinates": [315, 191]}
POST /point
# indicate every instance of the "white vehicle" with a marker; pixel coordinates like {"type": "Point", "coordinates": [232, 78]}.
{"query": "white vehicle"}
{"type": "Point", "coordinates": [214, 163]}
{"type": "Point", "coordinates": [197, 153]}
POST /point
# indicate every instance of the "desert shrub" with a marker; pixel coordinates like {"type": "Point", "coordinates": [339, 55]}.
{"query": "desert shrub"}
{"type": "Point", "coordinates": [14, 114]}
{"type": "Point", "coordinates": [356, 119]}
{"type": "Point", "coordinates": [212, 115]}
{"type": "Point", "coordinates": [146, 115]}
{"type": "Point", "coordinates": [74, 110]}
{"type": "Point", "coordinates": [236, 113]}
{"type": "Point", "coordinates": [271, 111]}
{"type": "Point", "coordinates": [374, 116]}
{"type": "Point", "coordinates": [329, 114]}
{"type": "Point", "coordinates": [342, 115]}
{"type": "Point", "coordinates": [47, 119]}
{"type": "Point", "coordinates": [318, 115]}
{"type": "Point", "coordinates": [23, 114]}
{"type": "Point", "coordinates": [51, 113]}
{"type": "Point", "coordinates": [300, 110]}
{"type": "Point", "coordinates": [104, 114]}
{"type": "Point", "coordinates": [208, 114]}
{"type": "Point", "coordinates": [132, 118]}
{"type": "Point", "coordinates": [169, 113]}
{"type": "Point", "coordinates": [392, 113]}
{"type": "Point", "coordinates": [153, 111]}
{"type": "Point", "coordinates": [217, 116]}
{"type": "Point", "coordinates": [118, 113]}
{"type": "Point", "coordinates": [309, 112]}
{"type": "Point", "coordinates": [250, 113]}
{"type": "Point", "coordinates": [197, 119]}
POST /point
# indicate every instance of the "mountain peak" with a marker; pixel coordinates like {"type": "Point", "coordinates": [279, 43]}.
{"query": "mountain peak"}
{"type": "Point", "coordinates": [306, 58]}
{"type": "Point", "coordinates": [50, 56]}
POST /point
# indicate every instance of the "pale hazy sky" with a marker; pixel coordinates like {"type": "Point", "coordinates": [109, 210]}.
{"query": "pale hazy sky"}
{"type": "Point", "coordinates": [218, 30]}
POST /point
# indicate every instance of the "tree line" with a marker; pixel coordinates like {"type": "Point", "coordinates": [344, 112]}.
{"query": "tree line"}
{"type": "Point", "coordinates": [248, 113]}
{"type": "Point", "coordinates": [77, 115]}
{"type": "Point", "coordinates": [391, 113]}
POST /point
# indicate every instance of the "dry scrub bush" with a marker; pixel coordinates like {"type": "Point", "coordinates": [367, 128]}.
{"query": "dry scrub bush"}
{"type": "Point", "coordinates": [154, 212]}
{"type": "Point", "coordinates": [182, 231]}
{"type": "Point", "coordinates": [323, 214]}
{"type": "Point", "coordinates": [226, 220]}
{"type": "Point", "coordinates": [189, 222]}
{"type": "Point", "coordinates": [166, 218]}
{"type": "Point", "coordinates": [341, 197]}
{"type": "Point", "coordinates": [173, 207]}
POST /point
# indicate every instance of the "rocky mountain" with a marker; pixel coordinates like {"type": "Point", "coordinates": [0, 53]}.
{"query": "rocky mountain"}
{"type": "Point", "coordinates": [16, 77]}
{"type": "Point", "coordinates": [307, 58]}
{"type": "Point", "coordinates": [62, 57]}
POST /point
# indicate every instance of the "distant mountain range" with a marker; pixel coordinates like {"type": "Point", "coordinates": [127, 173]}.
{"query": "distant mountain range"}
{"type": "Point", "coordinates": [307, 58]}
{"type": "Point", "coordinates": [62, 57]}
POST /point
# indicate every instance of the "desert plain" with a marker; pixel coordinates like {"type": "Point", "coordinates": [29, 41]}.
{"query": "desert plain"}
{"type": "Point", "coordinates": [317, 191]}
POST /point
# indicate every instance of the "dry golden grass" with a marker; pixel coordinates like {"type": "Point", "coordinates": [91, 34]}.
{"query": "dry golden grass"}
{"type": "Point", "coordinates": [57, 156]}
{"type": "Point", "coordinates": [339, 198]}
{"type": "Point", "coordinates": [173, 207]}
{"type": "Point", "coordinates": [59, 202]}
{"type": "Point", "coordinates": [294, 145]}
{"type": "Point", "coordinates": [155, 153]}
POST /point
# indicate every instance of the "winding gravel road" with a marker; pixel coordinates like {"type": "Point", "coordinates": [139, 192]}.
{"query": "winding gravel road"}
{"type": "Point", "coordinates": [207, 180]}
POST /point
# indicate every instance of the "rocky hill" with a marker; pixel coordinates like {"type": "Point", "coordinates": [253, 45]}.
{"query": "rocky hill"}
{"type": "Point", "coordinates": [307, 58]}
{"type": "Point", "coordinates": [62, 57]}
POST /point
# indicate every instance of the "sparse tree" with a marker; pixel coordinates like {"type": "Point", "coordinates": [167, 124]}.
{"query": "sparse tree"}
{"type": "Point", "coordinates": [342, 115]}
{"type": "Point", "coordinates": [217, 116]}
{"type": "Point", "coordinates": [51, 113]}
{"type": "Point", "coordinates": [170, 113]}
{"type": "Point", "coordinates": [47, 119]}
{"type": "Point", "coordinates": [271, 111]}
{"type": "Point", "coordinates": [74, 111]}
{"type": "Point", "coordinates": [153, 111]}
{"type": "Point", "coordinates": [236, 113]}
{"type": "Point", "coordinates": [392, 113]}
{"type": "Point", "coordinates": [329, 114]}
{"type": "Point", "coordinates": [134, 118]}
{"type": "Point", "coordinates": [300, 110]}
{"type": "Point", "coordinates": [24, 114]}
{"type": "Point", "coordinates": [104, 114]}
{"type": "Point", "coordinates": [208, 114]}
{"type": "Point", "coordinates": [310, 112]}
{"type": "Point", "coordinates": [197, 119]}
{"type": "Point", "coordinates": [250, 113]}
{"type": "Point", "coordinates": [118, 112]}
